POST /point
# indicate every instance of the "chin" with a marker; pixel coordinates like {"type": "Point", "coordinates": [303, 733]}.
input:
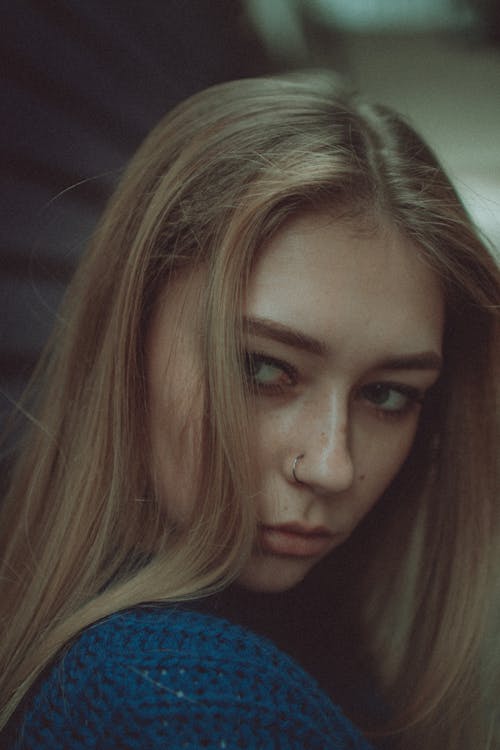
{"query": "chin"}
{"type": "Point", "coordinates": [269, 574]}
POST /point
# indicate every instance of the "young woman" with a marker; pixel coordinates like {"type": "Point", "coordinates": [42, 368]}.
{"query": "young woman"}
{"type": "Point", "coordinates": [268, 415]}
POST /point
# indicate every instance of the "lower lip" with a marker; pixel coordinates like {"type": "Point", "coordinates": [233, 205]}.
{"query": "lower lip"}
{"type": "Point", "coordinates": [291, 544]}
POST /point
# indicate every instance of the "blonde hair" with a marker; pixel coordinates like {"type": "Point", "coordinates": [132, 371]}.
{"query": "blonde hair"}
{"type": "Point", "coordinates": [216, 178]}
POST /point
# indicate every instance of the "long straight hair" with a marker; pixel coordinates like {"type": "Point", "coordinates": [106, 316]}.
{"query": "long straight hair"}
{"type": "Point", "coordinates": [84, 534]}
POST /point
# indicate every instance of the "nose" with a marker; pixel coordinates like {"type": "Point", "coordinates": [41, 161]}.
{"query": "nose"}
{"type": "Point", "coordinates": [326, 464]}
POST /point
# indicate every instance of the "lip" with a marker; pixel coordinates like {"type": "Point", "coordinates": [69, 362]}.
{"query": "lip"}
{"type": "Point", "coordinates": [295, 540]}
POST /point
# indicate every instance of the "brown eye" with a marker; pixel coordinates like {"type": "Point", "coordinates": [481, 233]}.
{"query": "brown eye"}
{"type": "Point", "coordinates": [391, 397]}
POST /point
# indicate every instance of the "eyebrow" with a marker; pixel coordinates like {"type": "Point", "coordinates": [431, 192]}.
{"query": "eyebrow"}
{"type": "Point", "coordinates": [284, 335]}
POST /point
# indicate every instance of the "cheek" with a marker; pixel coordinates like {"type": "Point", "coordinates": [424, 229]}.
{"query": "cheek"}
{"type": "Point", "coordinates": [270, 444]}
{"type": "Point", "coordinates": [175, 394]}
{"type": "Point", "coordinates": [378, 460]}
{"type": "Point", "coordinates": [176, 429]}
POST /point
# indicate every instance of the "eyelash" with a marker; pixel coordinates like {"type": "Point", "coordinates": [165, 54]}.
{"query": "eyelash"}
{"type": "Point", "coordinates": [253, 360]}
{"type": "Point", "coordinates": [414, 396]}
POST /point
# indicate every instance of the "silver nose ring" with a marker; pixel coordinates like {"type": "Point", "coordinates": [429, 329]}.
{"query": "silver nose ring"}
{"type": "Point", "coordinates": [294, 466]}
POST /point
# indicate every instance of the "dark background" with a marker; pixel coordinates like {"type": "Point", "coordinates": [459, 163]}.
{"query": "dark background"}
{"type": "Point", "coordinates": [82, 82]}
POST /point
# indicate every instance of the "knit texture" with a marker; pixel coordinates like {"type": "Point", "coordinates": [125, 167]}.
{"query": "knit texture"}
{"type": "Point", "coordinates": [165, 677]}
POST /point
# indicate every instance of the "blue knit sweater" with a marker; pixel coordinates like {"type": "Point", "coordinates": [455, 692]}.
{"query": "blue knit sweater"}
{"type": "Point", "coordinates": [165, 677]}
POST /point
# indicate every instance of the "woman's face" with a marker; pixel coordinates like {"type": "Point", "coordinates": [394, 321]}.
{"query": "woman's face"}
{"type": "Point", "coordinates": [344, 339]}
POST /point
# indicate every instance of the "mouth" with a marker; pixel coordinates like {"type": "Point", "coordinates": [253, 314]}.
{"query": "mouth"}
{"type": "Point", "coordinates": [295, 540]}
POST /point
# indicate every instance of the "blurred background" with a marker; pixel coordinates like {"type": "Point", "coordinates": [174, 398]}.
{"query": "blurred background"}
{"type": "Point", "coordinates": [83, 81]}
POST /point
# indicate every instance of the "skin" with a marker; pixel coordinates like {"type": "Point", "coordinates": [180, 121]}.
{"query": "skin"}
{"type": "Point", "coordinates": [333, 308]}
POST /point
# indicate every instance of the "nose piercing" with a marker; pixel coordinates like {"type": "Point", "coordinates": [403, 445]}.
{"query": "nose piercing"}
{"type": "Point", "coordinates": [294, 466]}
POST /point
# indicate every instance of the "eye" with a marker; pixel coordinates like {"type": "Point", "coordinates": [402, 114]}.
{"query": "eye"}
{"type": "Point", "coordinates": [392, 399]}
{"type": "Point", "coordinates": [266, 373]}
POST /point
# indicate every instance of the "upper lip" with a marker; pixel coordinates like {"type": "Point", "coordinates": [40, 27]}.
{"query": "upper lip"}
{"type": "Point", "coordinates": [302, 529]}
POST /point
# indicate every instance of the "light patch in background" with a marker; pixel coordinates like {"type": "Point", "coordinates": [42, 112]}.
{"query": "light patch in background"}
{"type": "Point", "coordinates": [279, 25]}
{"type": "Point", "coordinates": [280, 22]}
{"type": "Point", "coordinates": [379, 15]}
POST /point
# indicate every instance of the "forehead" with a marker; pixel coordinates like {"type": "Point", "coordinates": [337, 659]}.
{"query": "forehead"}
{"type": "Point", "coordinates": [338, 279]}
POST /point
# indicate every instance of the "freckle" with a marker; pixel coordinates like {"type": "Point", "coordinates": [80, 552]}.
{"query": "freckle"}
{"type": "Point", "coordinates": [362, 476]}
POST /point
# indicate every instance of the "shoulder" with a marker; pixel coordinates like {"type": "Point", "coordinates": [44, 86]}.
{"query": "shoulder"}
{"type": "Point", "coordinates": [169, 677]}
